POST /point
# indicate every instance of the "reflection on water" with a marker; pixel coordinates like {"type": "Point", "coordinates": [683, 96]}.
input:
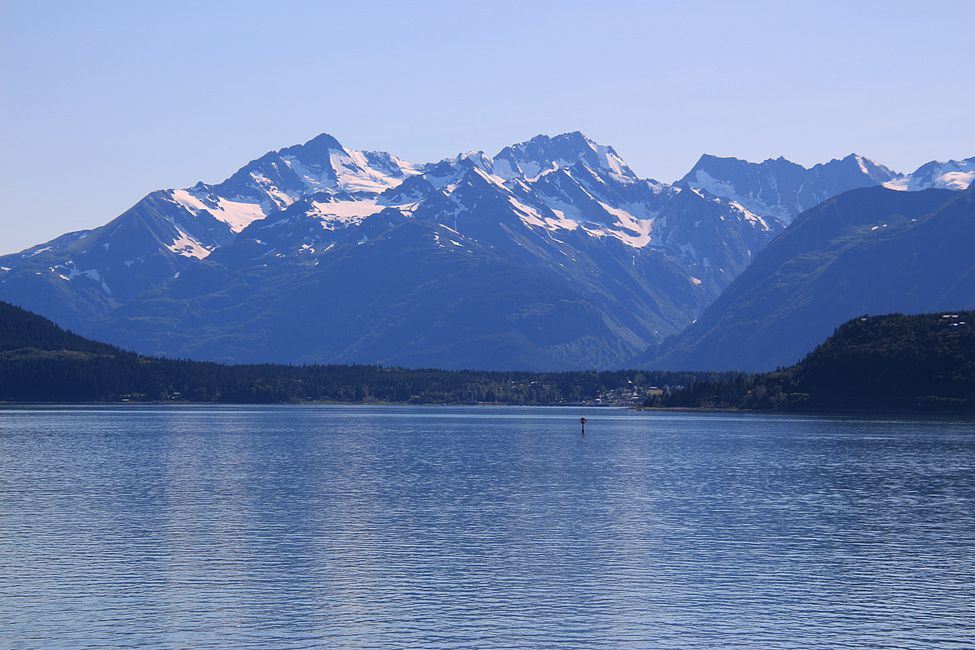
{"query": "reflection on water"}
{"type": "Point", "coordinates": [434, 526]}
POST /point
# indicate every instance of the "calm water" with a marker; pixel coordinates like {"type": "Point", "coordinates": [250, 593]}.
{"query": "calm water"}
{"type": "Point", "coordinates": [395, 526]}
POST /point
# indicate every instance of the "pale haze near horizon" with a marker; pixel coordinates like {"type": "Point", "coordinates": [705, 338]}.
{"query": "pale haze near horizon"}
{"type": "Point", "coordinates": [103, 102]}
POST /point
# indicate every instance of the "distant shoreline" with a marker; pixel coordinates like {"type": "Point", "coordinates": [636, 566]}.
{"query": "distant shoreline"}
{"type": "Point", "coordinates": [956, 415]}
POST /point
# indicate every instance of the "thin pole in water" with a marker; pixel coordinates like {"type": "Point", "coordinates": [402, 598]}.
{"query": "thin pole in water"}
{"type": "Point", "coordinates": [582, 421]}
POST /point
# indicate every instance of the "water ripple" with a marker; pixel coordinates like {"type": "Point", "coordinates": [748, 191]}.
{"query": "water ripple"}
{"type": "Point", "coordinates": [447, 527]}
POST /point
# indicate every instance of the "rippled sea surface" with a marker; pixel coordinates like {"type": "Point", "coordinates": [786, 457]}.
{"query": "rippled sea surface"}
{"type": "Point", "coordinates": [279, 527]}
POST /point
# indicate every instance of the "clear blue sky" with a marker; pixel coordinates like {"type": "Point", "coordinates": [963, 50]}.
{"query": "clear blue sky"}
{"type": "Point", "coordinates": [102, 102]}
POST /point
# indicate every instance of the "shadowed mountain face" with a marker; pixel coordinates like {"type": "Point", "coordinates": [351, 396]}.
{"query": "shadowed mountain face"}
{"type": "Point", "coordinates": [553, 254]}
{"type": "Point", "coordinates": [870, 251]}
{"type": "Point", "coordinates": [782, 188]}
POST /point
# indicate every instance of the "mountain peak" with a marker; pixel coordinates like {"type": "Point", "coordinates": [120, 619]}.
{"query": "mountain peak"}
{"type": "Point", "coordinates": [719, 166]}
{"type": "Point", "coordinates": [324, 140]}
{"type": "Point", "coordinates": [707, 160]}
{"type": "Point", "coordinates": [477, 158]}
{"type": "Point", "coordinates": [781, 188]}
{"type": "Point", "coordinates": [874, 171]}
{"type": "Point", "coordinates": [577, 138]}
{"type": "Point", "coordinates": [529, 159]}
{"type": "Point", "coordinates": [315, 150]}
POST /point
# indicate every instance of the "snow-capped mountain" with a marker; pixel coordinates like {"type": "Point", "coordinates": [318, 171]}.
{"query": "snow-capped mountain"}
{"type": "Point", "coordinates": [273, 182]}
{"type": "Point", "coordinates": [951, 175]}
{"type": "Point", "coordinates": [542, 153]}
{"type": "Point", "coordinates": [81, 277]}
{"type": "Point", "coordinates": [550, 254]}
{"type": "Point", "coordinates": [781, 188]}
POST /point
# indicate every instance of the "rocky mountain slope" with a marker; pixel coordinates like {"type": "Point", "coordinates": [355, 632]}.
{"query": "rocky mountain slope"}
{"type": "Point", "coordinates": [552, 254]}
{"type": "Point", "coordinates": [869, 251]}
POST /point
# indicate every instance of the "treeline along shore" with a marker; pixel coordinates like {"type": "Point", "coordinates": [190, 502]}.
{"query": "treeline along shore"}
{"type": "Point", "coordinates": [41, 362]}
{"type": "Point", "coordinates": [893, 363]}
{"type": "Point", "coordinates": [921, 363]}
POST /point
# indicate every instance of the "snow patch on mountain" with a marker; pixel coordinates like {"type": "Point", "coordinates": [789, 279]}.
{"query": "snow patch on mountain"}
{"type": "Point", "coordinates": [528, 214]}
{"type": "Point", "coordinates": [236, 214]}
{"type": "Point", "coordinates": [36, 251]}
{"type": "Point", "coordinates": [950, 175]}
{"type": "Point", "coordinates": [186, 246]}
{"type": "Point", "coordinates": [750, 216]}
{"type": "Point", "coordinates": [861, 164]}
{"type": "Point", "coordinates": [354, 174]}
{"type": "Point", "coordinates": [343, 213]}
{"type": "Point", "coordinates": [610, 161]}
{"type": "Point", "coordinates": [68, 272]}
{"type": "Point", "coordinates": [280, 198]}
{"type": "Point", "coordinates": [635, 232]}
{"type": "Point", "coordinates": [708, 183]}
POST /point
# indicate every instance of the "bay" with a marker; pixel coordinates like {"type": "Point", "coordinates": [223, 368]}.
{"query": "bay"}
{"type": "Point", "coordinates": [396, 526]}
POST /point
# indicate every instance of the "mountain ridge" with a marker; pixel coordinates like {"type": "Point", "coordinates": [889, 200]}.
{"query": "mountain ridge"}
{"type": "Point", "coordinates": [872, 250]}
{"type": "Point", "coordinates": [616, 263]}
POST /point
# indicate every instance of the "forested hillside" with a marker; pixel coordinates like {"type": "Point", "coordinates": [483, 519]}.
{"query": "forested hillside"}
{"type": "Point", "coordinates": [40, 362]}
{"type": "Point", "coordinates": [883, 363]}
